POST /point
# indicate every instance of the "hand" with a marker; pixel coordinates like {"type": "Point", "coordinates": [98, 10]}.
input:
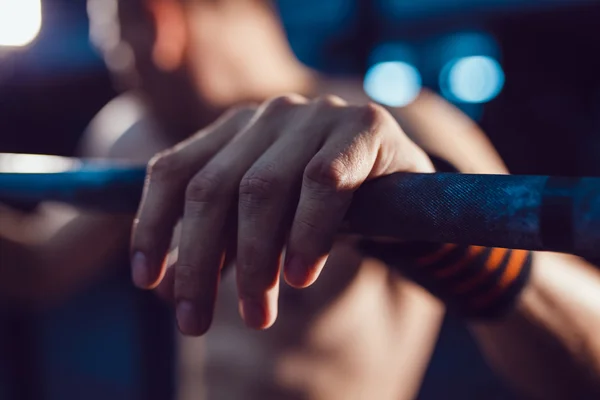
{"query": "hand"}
{"type": "Point", "coordinates": [281, 176]}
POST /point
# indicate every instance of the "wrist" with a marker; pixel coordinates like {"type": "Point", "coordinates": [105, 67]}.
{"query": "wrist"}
{"type": "Point", "coordinates": [477, 282]}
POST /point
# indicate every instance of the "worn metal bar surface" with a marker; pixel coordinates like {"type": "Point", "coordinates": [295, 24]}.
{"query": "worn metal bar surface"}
{"type": "Point", "coordinates": [513, 211]}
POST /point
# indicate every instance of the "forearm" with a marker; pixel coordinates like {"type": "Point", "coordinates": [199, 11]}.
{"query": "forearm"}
{"type": "Point", "coordinates": [548, 346]}
{"type": "Point", "coordinates": [43, 261]}
{"type": "Point", "coordinates": [82, 251]}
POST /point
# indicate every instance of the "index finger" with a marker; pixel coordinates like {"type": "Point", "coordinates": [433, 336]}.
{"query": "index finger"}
{"type": "Point", "coordinates": [163, 198]}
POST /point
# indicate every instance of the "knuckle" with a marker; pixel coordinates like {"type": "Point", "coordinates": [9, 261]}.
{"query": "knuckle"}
{"type": "Point", "coordinates": [261, 184]}
{"type": "Point", "coordinates": [331, 174]}
{"type": "Point", "coordinates": [308, 227]}
{"type": "Point", "coordinates": [193, 278]}
{"type": "Point", "coordinates": [205, 187]}
{"type": "Point", "coordinates": [253, 281]}
{"type": "Point", "coordinates": [186, 281]}
{"type": "Point", "coordinates": [186, 274]}
{"type": "Point", "coordinates": [142, 233]}
{"type": "Point", "coordinates": [162, 167]}
{"type": "Point", "coordinates": [149, 235]}
{"type": "Point", "coordinates": [331, 100]}
{"type": "Point", "coordinates": [284, 102]}
{"type": "Point", "coordinates": [372, 115]}
{"type": "Point", "coordinates": [248, 272]}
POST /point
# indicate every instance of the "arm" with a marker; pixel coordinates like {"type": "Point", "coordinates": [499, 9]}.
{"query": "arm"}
{"type": "Point", "coordinates": [548, 346]}
{"type": "Point", "coordinates": [58, 250]}
{"type": "Point", "coordinates": [49, 255]}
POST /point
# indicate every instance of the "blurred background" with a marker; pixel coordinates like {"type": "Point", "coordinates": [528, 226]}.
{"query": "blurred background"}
{"type": "Point", "coordinates": [528, 71]}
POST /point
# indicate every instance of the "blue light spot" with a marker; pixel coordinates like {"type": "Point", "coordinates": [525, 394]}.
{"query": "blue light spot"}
{"type": "Point", "coordinates": [476, 79]}
{"type": "Point", "coordinates": [393, 83]}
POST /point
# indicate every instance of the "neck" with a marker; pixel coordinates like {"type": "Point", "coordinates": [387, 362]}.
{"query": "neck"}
{"type": "Point", "coordinates": [242, 54]}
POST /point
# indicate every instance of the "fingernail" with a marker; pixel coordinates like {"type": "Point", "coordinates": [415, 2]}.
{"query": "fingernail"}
{"type": "Point", "coordinates": [253, 313]}
{"type": "Point", "coordinates": [295, 272]}
{"type": "Point", "coordinates": [140, 272]}
{"type": "Point", "coordinates": [189, 319]}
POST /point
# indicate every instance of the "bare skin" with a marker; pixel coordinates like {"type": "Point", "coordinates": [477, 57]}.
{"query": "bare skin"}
{"type": "Point", "coordinates": [295, 346]}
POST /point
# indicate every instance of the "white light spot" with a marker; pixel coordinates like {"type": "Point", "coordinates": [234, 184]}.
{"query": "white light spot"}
{"type": "Point", "coordinates": [35, 164]}
{"type": "Point", "coordinates": [393, 83]}
{"type": "Point", "coordinates": [476, 79]}
{"type": "Point", "coordinates": [20, 22]}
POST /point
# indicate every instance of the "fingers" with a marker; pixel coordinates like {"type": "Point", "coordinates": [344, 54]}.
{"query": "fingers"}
{"type": "Point", "coordinates": [201, 253]}
{"type": "Point", "coordinates": [163, 197]}
{"type": "Point", "coordinates": [330, 179]}
{"type": "Point", "coordinates": [210, 197]}
{"type": "Point", "coordinates": [290, 174]}
{"type": "Point", "coordinates": [267, 198]}
{"type": "Point", "coordinates": [263, 200]}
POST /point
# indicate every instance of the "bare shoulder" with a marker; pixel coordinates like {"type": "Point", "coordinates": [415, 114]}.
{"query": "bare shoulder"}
{"type": "Point", "coordinates": [123, 129]}
{"type": "Point", "coordinates": [349, 89]}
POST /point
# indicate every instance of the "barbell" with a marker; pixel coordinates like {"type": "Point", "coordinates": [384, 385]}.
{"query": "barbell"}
{"type": "Point", "coordinates": [545, 213]}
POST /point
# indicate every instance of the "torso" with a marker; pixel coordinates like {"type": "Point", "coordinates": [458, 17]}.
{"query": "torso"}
{"type": "Point", "coordinates": [350, 336]}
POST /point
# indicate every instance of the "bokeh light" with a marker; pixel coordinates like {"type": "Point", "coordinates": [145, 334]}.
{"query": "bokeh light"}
{"type": "Point", "coordinates": [36, 164]}
{"type": "Point", "coordinates": [393, 83]}
{"type": "Point", "coordinates": [475, 79]}
{"type": "Point", "coordinates": [20, 22]}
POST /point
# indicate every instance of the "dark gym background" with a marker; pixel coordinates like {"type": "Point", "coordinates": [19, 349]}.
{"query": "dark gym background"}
{"type": "Point", "coordinates": [549, 52]}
